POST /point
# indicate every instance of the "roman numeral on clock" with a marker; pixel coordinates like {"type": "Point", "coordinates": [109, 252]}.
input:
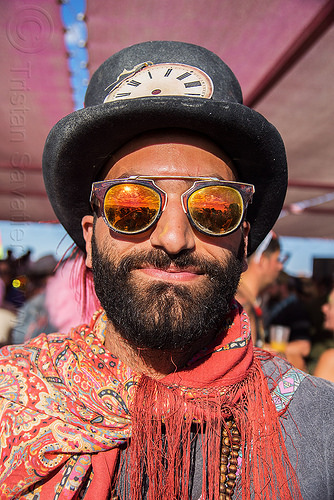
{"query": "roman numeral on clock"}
{"type": "Point", "coordinates": [197, 83]}
{"type": "Point", "coordinates": [184, 75]}
{"type": "Point", "coordinates": [122, 94]}
{"type": "Point", "coordinates": [134, 83]}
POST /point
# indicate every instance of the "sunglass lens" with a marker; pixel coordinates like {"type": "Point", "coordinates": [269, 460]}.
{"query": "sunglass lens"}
{"type": "Point", "coordinates": [216, 210]}
{"type": "Point", "coordinates": [131, 208]}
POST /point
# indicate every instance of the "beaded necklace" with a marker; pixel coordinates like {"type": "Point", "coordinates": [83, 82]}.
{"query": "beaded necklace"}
{"type": "Point", "coordinates": [228, 462]}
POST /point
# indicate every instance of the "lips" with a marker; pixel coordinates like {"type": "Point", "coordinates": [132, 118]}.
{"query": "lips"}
{"type": "Point", "coordinates": [172, 273]}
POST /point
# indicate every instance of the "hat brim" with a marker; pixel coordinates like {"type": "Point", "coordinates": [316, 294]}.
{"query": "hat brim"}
{"type": "Point", "coordinates": [78, 145]}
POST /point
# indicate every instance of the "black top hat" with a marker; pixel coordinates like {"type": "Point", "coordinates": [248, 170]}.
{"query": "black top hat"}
{"type": "Point", "coordinates": [129, 95]}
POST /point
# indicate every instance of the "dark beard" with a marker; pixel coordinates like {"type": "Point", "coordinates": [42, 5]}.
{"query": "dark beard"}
{"type": "Point", "coordinates": [163, 315]}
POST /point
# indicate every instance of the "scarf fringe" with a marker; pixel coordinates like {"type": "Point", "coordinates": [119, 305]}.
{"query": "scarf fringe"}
{"type": "Point", "coordinates": [160, 458]}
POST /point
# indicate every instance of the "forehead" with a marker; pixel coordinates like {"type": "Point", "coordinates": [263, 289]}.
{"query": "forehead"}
{"type": "Point", "coordinates": [170, 153]}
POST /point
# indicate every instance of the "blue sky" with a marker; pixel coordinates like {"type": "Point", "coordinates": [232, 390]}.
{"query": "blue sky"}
{"type": "Point", "coordinates": [75, 39]}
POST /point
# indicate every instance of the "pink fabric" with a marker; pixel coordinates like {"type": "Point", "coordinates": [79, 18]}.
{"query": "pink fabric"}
{"type": "Point", "coordinates": [64, 297]}
{"type": "Point", "coordinates": [36, 93]}
{"type": "Point", "coordinates": [2, 291]}
{"type": "Point", "coordinates": [260, 35]}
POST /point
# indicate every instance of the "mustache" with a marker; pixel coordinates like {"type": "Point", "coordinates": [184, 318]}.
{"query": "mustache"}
{"type": "Point", "coordinates": [161, 260]}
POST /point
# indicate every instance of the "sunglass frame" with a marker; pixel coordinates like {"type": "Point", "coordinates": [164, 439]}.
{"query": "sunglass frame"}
{"type": "Point", "coordinates": [99, 191]}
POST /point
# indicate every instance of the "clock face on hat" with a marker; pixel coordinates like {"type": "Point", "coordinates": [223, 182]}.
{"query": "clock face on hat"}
{"type": "Point", "coordinates": [163, 80]}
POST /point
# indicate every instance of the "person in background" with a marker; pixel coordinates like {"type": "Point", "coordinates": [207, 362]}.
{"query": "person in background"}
{"type": "Point", "coordinates": [264, 267]}
{"type": "Point", "coordinates": [10, 269]}
{"type": "Point", "coordinates": [7, 315]}
{"type": "Point", "coordinates": [325, 365]}
{"type": "Point", "coordinates": [54, 304]}
{"type": "Point", "coordinates": [290, 310]}
{"type": "Point", "coordinates": [33, 318]}
{"type": "Point", "coordinates": [5, 278]}
{"type": "Point", "coordinates": [318, 290]}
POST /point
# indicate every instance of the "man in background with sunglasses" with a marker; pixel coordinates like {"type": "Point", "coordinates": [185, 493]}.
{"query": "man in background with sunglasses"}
{"type": "Point", "coordinates": [166, 182]}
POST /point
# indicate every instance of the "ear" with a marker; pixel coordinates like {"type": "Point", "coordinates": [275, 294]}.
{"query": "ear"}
{"type": "Point", "coordinates": [245, 232]}
{"type": "Point", "coordinates": [87, 231]}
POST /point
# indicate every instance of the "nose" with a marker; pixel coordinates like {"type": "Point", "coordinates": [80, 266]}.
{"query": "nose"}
{"type": "Point", "coordinates": [173, 232]}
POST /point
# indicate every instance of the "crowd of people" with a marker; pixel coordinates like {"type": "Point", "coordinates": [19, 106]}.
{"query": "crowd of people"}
{"type": "Point", "coordinates": [40, 296]}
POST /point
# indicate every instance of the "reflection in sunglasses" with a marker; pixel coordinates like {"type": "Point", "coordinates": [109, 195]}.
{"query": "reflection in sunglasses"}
{"type": "Point", "coordinates": [216, 209]}
{"type": "Point", "coordinates": [130, 219]}
{"type": "Point", "coordinates": [130, 206]}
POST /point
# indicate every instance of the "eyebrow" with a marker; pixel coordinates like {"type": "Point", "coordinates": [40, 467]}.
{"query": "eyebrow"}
{"type": "Point", "coordinates": [126, 175]}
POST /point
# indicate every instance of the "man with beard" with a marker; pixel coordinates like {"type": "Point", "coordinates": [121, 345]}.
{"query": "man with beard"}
{"type": "Point", "coordinates": [166, 182]}
{"type": "Point", "coordinates": [169, 270]}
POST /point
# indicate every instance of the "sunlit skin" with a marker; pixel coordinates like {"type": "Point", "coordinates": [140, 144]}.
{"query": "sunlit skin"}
{"type": "Point", "coordinates": [325, 365]}
{"type": "Point", "coordinates": [328, 310]}
{"type": "Point", "coordinates": [260, 273]}
{"type": "Point", "coordinates": [272, 266]}
{"type": "Point", "coordinates": [167, 153]}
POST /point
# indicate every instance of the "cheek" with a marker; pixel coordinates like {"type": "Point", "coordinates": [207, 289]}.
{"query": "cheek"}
{"type": "Point", "coordinates": [217, 245]}
{"type": "Point", "coordinates": [331, 314]}
{"type": "Point", "coordinates": [103, 240]}
{"type": "Point", "coordinates": [221, 249]}
{"type": "Point", "coordinates": [329, 318]}
{"type": "Point", "coordinates": [109, 242]}
{"type": "Point", "coordinates": [274, 266]}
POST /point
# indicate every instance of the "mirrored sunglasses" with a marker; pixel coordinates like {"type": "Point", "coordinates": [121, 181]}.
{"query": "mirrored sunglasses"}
{"type": "Point", "coordinates": [134, 204]}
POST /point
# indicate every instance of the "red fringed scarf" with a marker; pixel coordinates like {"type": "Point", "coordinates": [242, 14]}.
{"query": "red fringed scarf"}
{"type": "Point", "coordinates": [225, 381]}
{"type": "Point", "coordinates": [67, 405]}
